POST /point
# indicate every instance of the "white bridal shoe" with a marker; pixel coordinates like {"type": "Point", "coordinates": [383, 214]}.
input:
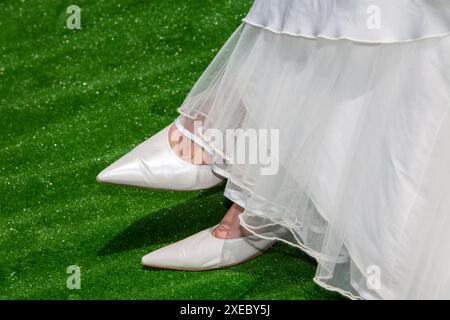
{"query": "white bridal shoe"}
{"type": "Point", "coordinates": [154, 165]}
{"type": "Point", "coordinates": [203, 251]}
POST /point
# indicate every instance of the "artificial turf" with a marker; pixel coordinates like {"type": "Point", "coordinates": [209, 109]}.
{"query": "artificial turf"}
{"type": "Point", "coordinates": [73, 101]}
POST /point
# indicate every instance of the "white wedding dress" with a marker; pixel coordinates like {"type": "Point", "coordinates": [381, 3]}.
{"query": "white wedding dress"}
{"type": "Point", "coordinates": [360, 93]}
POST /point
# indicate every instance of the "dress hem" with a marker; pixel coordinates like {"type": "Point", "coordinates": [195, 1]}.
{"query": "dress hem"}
{"type": "Point", "coordinates": [347, 38]}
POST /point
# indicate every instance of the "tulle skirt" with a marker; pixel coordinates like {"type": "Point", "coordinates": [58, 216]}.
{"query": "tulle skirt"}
{"type": "Point", "coordinates": [361, 139]}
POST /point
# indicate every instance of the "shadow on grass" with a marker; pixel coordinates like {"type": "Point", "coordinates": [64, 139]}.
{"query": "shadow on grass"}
{"type": "Point", "coordinates": [171, 224]}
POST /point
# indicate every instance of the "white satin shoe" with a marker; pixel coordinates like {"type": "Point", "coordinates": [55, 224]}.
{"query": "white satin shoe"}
{"type": "Point", "coordinates": [154, 165]}
{"type": "Point", "coordinates": [203, 251]}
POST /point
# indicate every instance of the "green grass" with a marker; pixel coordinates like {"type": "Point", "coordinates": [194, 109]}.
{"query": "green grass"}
{"type": "Point", "coordinates": [73, 101]}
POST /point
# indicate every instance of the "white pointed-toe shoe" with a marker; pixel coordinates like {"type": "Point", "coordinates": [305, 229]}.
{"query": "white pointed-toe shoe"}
{"type": "Point", "coordinates": [154, 165]}
{"type": "Point", "coordinates": [203, 251]}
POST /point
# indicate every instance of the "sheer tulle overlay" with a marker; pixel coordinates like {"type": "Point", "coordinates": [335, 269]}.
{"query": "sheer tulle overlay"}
{"type": "Point", "coordinates": [364, 148]}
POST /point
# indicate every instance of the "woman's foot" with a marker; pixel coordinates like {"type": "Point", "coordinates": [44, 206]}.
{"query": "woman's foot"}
{"type": "Point", "coordinates": [187, 149]}
{"type": "Point", "coordinates": [230, 227]}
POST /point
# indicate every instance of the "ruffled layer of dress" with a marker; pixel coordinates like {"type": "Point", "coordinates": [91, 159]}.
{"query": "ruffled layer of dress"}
{"type": "Point", "coordinates": [379, 21]}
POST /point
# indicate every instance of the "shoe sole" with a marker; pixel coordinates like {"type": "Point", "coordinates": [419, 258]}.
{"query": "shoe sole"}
{"type": "Point", "coordinates": [156, 189]}
{"type": "Point", "coordinates": [210, 268]}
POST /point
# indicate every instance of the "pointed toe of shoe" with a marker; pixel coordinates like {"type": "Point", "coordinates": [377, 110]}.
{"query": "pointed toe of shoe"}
{"type": "Point", "coordinates": [174, 256]}
{"type": "Point", "coordinates": [105, 177]}
{"type": "Point", "coordinates": [154, 259]}
{"type": "Point", "coordinates": [109, 177]}
{"type": "Point", "coordinates": [123, 172]}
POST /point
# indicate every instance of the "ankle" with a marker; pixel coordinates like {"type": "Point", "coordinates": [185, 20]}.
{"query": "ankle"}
{"type": "Point", "coordinates": [230, 227]}
{"type": "Point", "coordinates": [186, 149]}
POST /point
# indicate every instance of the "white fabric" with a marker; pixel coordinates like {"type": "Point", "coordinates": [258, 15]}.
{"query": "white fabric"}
{"type": "Point", "coordinates": [363, 183]}
{"type": "Point", "coordinates": [399, 20]}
